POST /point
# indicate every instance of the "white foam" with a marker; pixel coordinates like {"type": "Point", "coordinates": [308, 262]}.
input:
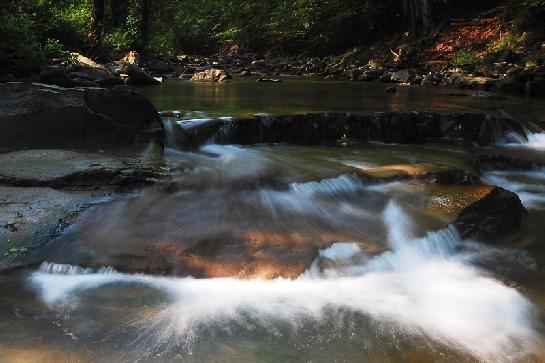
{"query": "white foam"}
{"type": "Point", "coordinates": [534, 141]}
{"type": "Point", "coordinates": [358, 164]}
{"type": "Point", "coordinates": [532, 195]}
{"type": "Point", "coordinates": [422, 285]}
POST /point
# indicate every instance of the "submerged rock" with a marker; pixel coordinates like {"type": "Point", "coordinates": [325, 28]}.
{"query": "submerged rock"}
{"type": "Point", "coordinates": [40, 116]}
{"type": "Point", "coordinates": [497, 216]}
{"type": "Point", "coordinates": [505, 162]}
{"type": "Point", "coordinates": [211, 75]}
{"type": "Point", "coordinates": [430, 173]}
{"type": "Point", "coordinates": [390, 90]}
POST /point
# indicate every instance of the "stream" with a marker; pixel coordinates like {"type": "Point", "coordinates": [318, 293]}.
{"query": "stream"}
{"type": "Point", "coordinates": [288, 255]}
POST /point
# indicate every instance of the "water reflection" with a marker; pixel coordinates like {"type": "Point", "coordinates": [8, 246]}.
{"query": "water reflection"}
{"type": "Point", "coordinates": [243, 97]}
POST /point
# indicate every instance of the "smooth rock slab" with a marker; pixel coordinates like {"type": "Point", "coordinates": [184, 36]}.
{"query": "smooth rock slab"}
{"type": "Point", "coordinates": [72, 169]}
{"type": "Point", "coordinates": [31, 216]}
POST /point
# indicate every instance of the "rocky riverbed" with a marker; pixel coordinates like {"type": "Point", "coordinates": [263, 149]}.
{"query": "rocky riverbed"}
{"type": "Point", "coordinates": [45, 189]}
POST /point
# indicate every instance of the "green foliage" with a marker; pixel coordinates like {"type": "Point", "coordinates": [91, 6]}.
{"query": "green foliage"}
{"type": "Point", "coordinates": [162, 45]}
{"type": "Point", "coordinates": [509, 40]}
{"type": "Point", "coordinates": [20, 50]}
{"type": "Point", "coordinates": [30, 28]}
{"type": "Point", "coordinates": [124, 38]}
{"type": "Point", "coordinates": [55, 49]}
{"type": "Point", "coordinates": [463, 58]}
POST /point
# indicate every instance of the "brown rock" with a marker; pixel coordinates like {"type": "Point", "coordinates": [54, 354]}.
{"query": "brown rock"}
{"type": "Point", "coordinates": [496, 217]}
{"type": "Point", "coordinates": [211, 75]}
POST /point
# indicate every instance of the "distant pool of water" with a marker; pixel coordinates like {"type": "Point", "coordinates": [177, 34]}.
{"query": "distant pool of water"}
{"type": "Point", "coordinates": [245, 96]}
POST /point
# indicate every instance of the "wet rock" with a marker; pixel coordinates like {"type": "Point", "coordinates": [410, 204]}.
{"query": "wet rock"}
{"type": "Point", "coordinates": [40, 116]}
{"type": "Point", "coordinates": [211, 75]}
{"type": "Point", "coordinates": [35, 215]}
{"type": "Point", "coordinates": [390, 90]}
{"type": "Point", "coordinates": [496, 217]}
{"type": "Point", "coordinates": [430, 173]}
{"type": "Point", "coordinates": [269, 80]}
{"type": "Point", "coordinates": [487, 96]}
{"type": "Point", "coordinates": [138, 76]}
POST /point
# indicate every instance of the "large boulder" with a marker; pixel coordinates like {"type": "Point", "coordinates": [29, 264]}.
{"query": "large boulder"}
{"type": "Point", "coordinates": [211, 75]}
{"type": "Point", "coordinates": [496, 217]}
{"type": "Point", "coordinates": [41, 116]}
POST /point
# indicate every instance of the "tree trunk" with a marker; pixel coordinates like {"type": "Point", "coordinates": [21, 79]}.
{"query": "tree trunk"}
{"type": "Point", "coordinates": [144, 26]}
{"type": "Point", "coordinates": [119, 12]}
{"type": "Point", "coordinates": [418, 15]}
{"type": "Point", "coordinates": [97, 23]}
{"type": "Point", "coordinates": [425, 15]}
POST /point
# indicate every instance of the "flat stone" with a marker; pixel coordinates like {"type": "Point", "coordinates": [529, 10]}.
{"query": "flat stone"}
{"type": "Point", "coordinates": [48, 165]}
{"type": "Point", "coordinates": [72, 169]}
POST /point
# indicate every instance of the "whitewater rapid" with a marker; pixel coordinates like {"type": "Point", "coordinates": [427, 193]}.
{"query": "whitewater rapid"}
{"type": "Point", "coordinates": [424, 286]}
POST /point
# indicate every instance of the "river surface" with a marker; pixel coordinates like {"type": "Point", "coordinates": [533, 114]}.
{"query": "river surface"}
{"type": "Point", "coordinates": [380, 276]}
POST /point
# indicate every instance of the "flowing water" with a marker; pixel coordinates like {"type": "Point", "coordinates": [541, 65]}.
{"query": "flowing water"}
{"type": "Point", "coordinates": [373, 272]}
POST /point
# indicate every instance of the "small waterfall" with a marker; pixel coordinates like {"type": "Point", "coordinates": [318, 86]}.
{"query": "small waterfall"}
{"type": "Point", "coordinates": [170, 139]}
{"type": "Point", "coordinates": [528, 185]}
{"type": "Point", "coordinates": [533, 138]}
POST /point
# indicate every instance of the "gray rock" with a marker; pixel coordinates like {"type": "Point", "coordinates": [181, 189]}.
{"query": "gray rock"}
{"type": "Point", "coordinates": [138, 76]}
{"type": "Point", "coordinates": [403, 76]}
